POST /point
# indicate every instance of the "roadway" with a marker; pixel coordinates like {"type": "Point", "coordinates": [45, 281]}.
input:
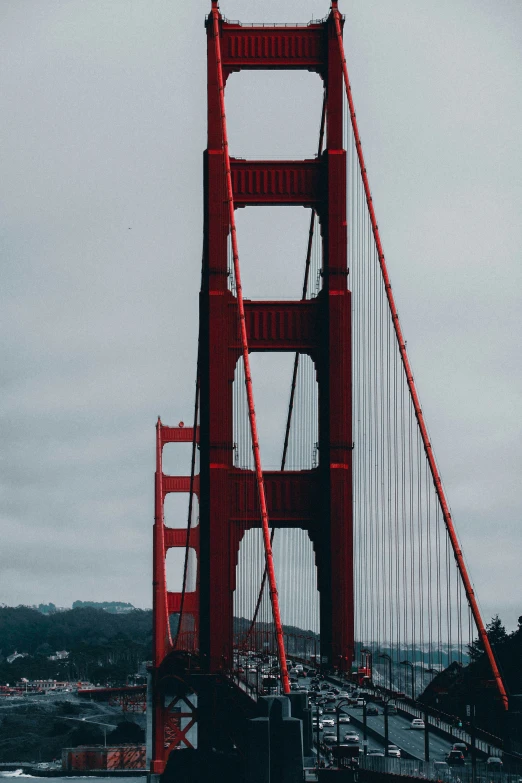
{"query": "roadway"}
{"type": "Point", "coordinates": [400, 732]}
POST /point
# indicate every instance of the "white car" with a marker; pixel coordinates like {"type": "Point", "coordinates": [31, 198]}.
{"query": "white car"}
{"type": "Point", "coordinates": [328, 722]}
{"type": "Point", "coordinates": [351, 736]}
{"type": "Point", "coordinates": [317, 724]}
{"type": "Point", "coordinates": [394, 751]}
{"type": "Point", "coordinates": [417, 723]}
{"type": "Point", "coordinates": [344, 719]}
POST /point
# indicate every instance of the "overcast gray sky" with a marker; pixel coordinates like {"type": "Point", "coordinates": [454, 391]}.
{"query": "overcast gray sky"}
{"type": "Point", "coordinates": [103, 126]}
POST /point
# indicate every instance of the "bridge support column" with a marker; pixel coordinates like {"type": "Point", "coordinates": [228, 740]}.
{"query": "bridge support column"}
{"type": "Point", "coordinates": [301, 710]}
{"type": "Point", "coordinates": [275, 748]}
{"type": "Point", "coordinates": [258, 751]}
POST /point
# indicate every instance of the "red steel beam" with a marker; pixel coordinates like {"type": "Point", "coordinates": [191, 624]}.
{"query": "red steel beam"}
{"type": "Point", "coordinates": [190, 602]}
{"type": "Point", "coordinates": [276, 182]}
{"type": "Point", "coordinates": [178, 484]}
{"type": "Point", "coordinates": [457, 551]}
{"type": "Point", "coordinates": [177, 537]}
{"type": "Point", "coordinates": [180, 434]}
{"type": "Point", "coordinates": [287, 326]}
{"type": "Point", "coordinates": [272, 46]}
{"type": "Point", "coordinates": [246, 361]}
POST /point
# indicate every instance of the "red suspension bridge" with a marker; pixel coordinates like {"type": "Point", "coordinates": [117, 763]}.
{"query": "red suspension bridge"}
{"type": "Point", "coordinates": [348, 551]}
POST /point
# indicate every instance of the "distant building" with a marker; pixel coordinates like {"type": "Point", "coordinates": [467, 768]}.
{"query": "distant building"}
{"type": "Point", "coordinates": [59, 655]}
{"type": "Point", "coordinates": [15, 655]}
{"type": "Point", "coordinates": [96, 757]}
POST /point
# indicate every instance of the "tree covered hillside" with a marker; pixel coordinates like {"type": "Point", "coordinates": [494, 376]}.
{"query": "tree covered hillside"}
{"type": "Point", "coordinates": [102, 647]}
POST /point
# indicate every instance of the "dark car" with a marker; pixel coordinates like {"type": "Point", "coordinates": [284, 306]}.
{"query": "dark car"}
{"type": "Point", "coordinates": [462, 747]}
{"type": "Point", "coordinates": [372, 710]}
{"type": "Point", "coordinates": [455, 758]}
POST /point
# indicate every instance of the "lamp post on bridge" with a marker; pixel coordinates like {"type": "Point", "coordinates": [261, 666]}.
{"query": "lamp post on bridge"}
{"type": "Point", "coordinates": [389, 659]}
{"type": "Point", "coordinates": [340, 704]}
{"type": "Point", "coordinates": [412, 667]}
{"type": "Point", "coordinates": [386, 729]}
{"type": "Point", "coordinates": [368, 662]}
{"type": "Point", "coordinates": [426, 716]}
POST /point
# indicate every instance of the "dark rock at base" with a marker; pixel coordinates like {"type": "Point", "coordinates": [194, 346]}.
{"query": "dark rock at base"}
{"type": "Point", "coordinates": [195, 766]}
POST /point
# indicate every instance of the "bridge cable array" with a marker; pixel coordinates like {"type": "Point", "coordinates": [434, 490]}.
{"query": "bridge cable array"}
{"type": "Point", "coordinates": [243, 642]}
{"type": "Point", "coordinates": [417, 524]}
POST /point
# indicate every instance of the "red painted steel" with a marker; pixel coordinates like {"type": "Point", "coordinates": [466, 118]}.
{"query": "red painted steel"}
{"type": "Point", "coordinates": [282, 326]}
{"type": "Point", "coordinates": [165, 602]}
{"type": "Point", "coordinates": [276, 182]}
{"type": "Point", "coordinates": [411, 384]}
{"type": "Point", "coordinates": [273, 47]}
{"type": "Point", "coordinates": [248, 379]}
{"type": "Point", "coordinates": [179, 434]}
{"type": "Point", "coordinates": [320, 328]}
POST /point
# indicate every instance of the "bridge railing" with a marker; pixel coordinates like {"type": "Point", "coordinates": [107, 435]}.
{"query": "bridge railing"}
{"type": "Point", "coordinates": [488, 744]}
{"type": "Point", "coordinates": [429, 770]}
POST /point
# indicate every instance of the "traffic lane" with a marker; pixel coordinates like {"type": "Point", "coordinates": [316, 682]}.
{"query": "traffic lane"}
{"type": "Point", "coordinates": [344, 728]}
{"type": "Point", "coordinates": [401, 734]}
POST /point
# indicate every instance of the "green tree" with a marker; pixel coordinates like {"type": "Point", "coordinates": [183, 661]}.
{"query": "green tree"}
{"type": "Point", "coordinates": [497, 634]}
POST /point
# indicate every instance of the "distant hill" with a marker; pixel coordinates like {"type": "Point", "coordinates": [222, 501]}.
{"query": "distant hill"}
{"type": "Point", "coordinates": [103, 646]}
{"type": "Point", "coordinates": [114, 607]}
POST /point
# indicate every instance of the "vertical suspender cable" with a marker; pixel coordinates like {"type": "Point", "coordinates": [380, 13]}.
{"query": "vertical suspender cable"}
{"type": "Point", "coordinates": [296, 366]}
{"type": "Point", "coordinates": [411, 385]}
{"type": "Point", "coordinates": [246, 362]}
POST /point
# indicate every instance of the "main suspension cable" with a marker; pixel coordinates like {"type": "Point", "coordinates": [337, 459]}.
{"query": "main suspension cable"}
{"type": "Point", "coordinates": [246, 363]}
{"type": "Point", "coordinates": [457, 552]}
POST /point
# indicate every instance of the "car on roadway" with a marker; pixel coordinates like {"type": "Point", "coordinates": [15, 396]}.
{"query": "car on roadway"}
{"type": "Point", "coordinates": [417, 723]}
{"type": "Point", "coordinates": [351, 736]}
{"type": "Point", "coordinates": [494, 762]}
{"type": "Point", "coordinates": [455, 758]}
{"type": "Point", "coordinates": [344, 695]}
{"type": "Point", "coordinates": [374, 752]}
{"type": "Point", "coordinates": [360, 702]}
{"type": "Point", "coordinates": [371, 710]}
{"type": "Point", "coordinates": [344, 718]}
{"type": "Point", "coordinates": [462, 747]}
{"type": "Point", "coordinates": [394, 751]}
{"type": "Point", "coordinates": [328, 722]}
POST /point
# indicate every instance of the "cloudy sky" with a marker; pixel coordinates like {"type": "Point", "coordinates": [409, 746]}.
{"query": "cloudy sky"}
{"type": "Point", "coordinates": [102, 132]}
